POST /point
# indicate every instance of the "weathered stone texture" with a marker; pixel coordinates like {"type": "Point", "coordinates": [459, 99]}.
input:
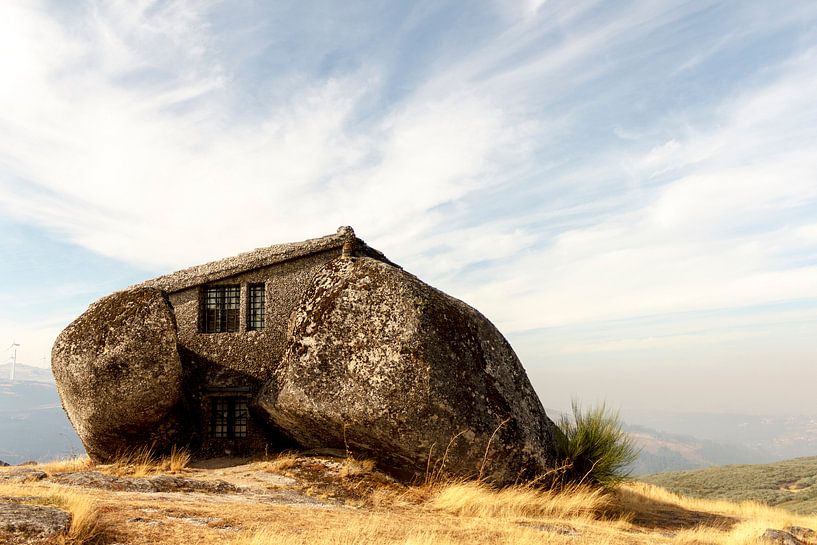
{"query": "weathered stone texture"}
{"type": "Point", "coordinates": [23, 475]}
{"type": "Point", "coordinates": [252, 353]}
{"type": "Point", "coordinates": [23, 524]}
{"type": "Point", "coordinates": [118, 372]}
{"type": "Point", "coordinates": [158, 483]}
{"type": "Point", "coordinates": [397, 370]}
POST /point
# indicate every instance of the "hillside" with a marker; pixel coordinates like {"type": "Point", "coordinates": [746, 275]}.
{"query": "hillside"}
{"type": "Point", "coordinates": [661, 451]}
{"type": "Point", "coordinates": [299, 500]}
{"type": "Point", "coordinates": [775, 437]}
{"type": "Point", "coordinates": [791, 484]}
{"type": "Point", "coordinates": [33, 425]}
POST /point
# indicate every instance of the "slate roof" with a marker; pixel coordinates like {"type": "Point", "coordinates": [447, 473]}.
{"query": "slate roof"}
{"type": "Point", "coordinates": [258, 258]}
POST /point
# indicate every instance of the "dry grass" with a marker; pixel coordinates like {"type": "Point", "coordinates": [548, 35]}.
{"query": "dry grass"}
{"type": "Point", "coordinates": [280, 463]}
{"type": "Point", "coordinates": [473, 499]}
{"type": "Point", "coordinates": [353, 467]}
{"type": "Point", "coordinates": [142, 462]}
{"type": "Point", "coordinates": [453, 513]}
{"type": "Point", "coordinates": [87, 526]}
{"type": "Point", "coordinates": [67, 465]}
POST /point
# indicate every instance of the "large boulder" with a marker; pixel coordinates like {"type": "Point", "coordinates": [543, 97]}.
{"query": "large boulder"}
{"type": "Point", "coordinates": [119, 374]}
{"type": "Point", "coordinates": [387, 366]}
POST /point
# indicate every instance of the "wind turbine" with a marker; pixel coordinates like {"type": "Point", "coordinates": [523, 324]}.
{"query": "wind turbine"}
{"type": "Point", "coordinates": [14, 345]}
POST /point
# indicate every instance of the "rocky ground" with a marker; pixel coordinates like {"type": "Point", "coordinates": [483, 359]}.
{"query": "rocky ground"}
{"type": "Point", "coordinates": [325, 499]}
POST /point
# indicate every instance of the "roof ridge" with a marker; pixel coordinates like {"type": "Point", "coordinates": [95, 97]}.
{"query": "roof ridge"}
{"type": "Point", "coordinates": [253, 259]}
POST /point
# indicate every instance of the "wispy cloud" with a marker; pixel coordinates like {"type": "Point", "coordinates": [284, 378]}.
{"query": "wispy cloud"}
{"type": "Point", "coordinates": [558, 164]}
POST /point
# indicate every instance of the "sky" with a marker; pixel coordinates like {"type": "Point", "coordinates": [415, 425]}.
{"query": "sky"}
{"type": "Point", "coordinates": [628, 190]}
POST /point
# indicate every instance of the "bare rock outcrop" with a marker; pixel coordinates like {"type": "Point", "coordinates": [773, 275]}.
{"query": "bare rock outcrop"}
{"type": "Point", "coordinates": [23, 475]}
{"type": "Point", "coordinates": [384, 364]}
{"type": "Point", "coordinates": [119, 374]}
{"type": "Point", "coordinates": [157, 483]}
{"type": "Point", "coordinates": [23, 524]}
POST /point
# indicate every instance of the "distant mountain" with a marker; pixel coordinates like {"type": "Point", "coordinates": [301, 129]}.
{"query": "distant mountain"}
{"type": "Point", "coordinates": [781, 437]}
{"type": "Point", "coordinates": [33, 425]}
{"type": "Point", "coordinates": [790, 484]}
{"type": "Point", "coordinates": [673, 452]}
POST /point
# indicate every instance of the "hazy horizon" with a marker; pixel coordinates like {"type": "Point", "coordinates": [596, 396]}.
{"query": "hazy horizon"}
{"type": "Point", "coordinates": [628, 191]}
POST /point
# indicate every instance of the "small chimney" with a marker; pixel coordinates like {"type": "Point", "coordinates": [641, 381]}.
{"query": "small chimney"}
{"type": "Point", "coordinates": [350, 242]}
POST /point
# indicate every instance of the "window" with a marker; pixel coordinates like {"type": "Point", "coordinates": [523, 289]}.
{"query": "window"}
{"type": "Point", "coordinates": [255, 309]}
{"type": "Point", "coordinates": [220, 309]}
{"type": "Point", "coordinates": [230, 417]}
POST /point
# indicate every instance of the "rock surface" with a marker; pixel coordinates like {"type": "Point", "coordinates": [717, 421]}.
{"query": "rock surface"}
{"type": "Point", "coordinates": [781, 537]}
{"type": "Point", "coordinates": [394, 369]}
{"type": "Point", "coordinates": [23, 475]}
{"type": "Point", "coordinates": [23, 524]}
{"type": "Point", "coordinates": [159, 483]}
{"type": "Point", "coordinates": [3, 464]}
{"type": "Point", "coordinates": [803, 534]}
{"type": "Point", "coordinates": [118, 371]}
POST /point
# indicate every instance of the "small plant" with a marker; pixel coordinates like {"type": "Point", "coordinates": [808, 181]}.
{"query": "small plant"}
{"type": "Point", "coordinates": [595, 449]}
{"type": "Point", "coordinates": [142, 461]}
{"type": "Point", "coordinates": [177, 461]}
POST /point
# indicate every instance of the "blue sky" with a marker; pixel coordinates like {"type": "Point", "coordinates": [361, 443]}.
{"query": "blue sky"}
{"type": "Point", "coordinates": [627, 189]}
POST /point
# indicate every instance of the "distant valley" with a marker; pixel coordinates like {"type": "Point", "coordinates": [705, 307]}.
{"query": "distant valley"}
{"type": "Point", "coordinates": [33, 425]}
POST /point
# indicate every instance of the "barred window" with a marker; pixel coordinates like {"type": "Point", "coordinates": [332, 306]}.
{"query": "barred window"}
{"type": "Point", "coordinates": [230, 417]}
{"type": "Point", "coordinates": [255, 310]}
{"type": "Point", "coordinates": [221, 306]}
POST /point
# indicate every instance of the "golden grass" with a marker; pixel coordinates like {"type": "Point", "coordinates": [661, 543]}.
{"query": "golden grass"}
{"type": "Point", "coordinates": [473, 499]}
{"type": "Point", "coordinates": [67, 465]}
{"type": "Point", "coordinates": [452, 513]}
{"type": "Point", "coordinates": [353, 467]}
{"type": "Point", "coordinates": [282, 462]}
{"type": "Point", "coordinates": [87, 527]}
{"type": "Point", "coordinates": [142, 461]}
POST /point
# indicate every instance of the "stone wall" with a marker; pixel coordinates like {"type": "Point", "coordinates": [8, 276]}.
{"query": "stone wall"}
{"type": "Point", "coordinates": [238, 364]}
{"type": "Point", "coordinates": [254, 354]}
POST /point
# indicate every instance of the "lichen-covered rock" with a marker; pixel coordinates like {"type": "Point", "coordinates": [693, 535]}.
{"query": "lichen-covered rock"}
{"type": "Point", "coordinates": [158, 483]}
{"type": "Point", "coordinates": [23, 524]}
{"type": "Point", "coordinates": [119, 374]}
{"type": "Point", "coordinates": [23, 475]}
{"type": "Point", "coordinates": [780, 537]}
{"type": "Point", "coordinates": [394, 369]}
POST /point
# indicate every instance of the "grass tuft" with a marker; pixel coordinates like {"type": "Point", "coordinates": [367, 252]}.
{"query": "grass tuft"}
{"type": "Point", "coordinates": [87, 527]}
{"type": "Point", "coordinates": [282, 462]}
{"type": "Point", "coordinates": [67, 465]}
{"type": "Point", "coordinates": [595, 449]}
{"type": "Point", "coordinates": [143, 461]}
{"type": "Point", "coordinates": [473, 499]}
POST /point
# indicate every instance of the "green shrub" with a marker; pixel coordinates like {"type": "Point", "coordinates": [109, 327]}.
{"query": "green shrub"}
{"type": "Point", "coordinates": [593, 447]}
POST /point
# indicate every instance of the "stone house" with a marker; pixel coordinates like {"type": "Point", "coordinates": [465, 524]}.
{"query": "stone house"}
{"type": "Point", "coordinates": [321, 344]}
{"type": "Point", "coordinates": [231, 318]}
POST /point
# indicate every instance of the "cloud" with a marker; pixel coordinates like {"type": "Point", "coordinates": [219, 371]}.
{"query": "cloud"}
{"type": "Point", "coordinates": [158, 174]}
{"type": "Point", "coordinates": [557, 164]}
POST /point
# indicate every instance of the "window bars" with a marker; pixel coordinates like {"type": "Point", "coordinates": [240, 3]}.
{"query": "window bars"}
{"type": "Point", "coordinates": [230, 418]}
{"type": "Point", "coordinates": [221, 308]}
{"type": "Point", "coordinates": [255, 309]}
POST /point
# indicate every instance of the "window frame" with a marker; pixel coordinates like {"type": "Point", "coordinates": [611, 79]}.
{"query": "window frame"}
{"type": "Point", "coordinates": [256, 306]}
{"type": "Point", "coordinates": [220, 308]}
{"type": "Point", "coordinates": [229, 417]}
